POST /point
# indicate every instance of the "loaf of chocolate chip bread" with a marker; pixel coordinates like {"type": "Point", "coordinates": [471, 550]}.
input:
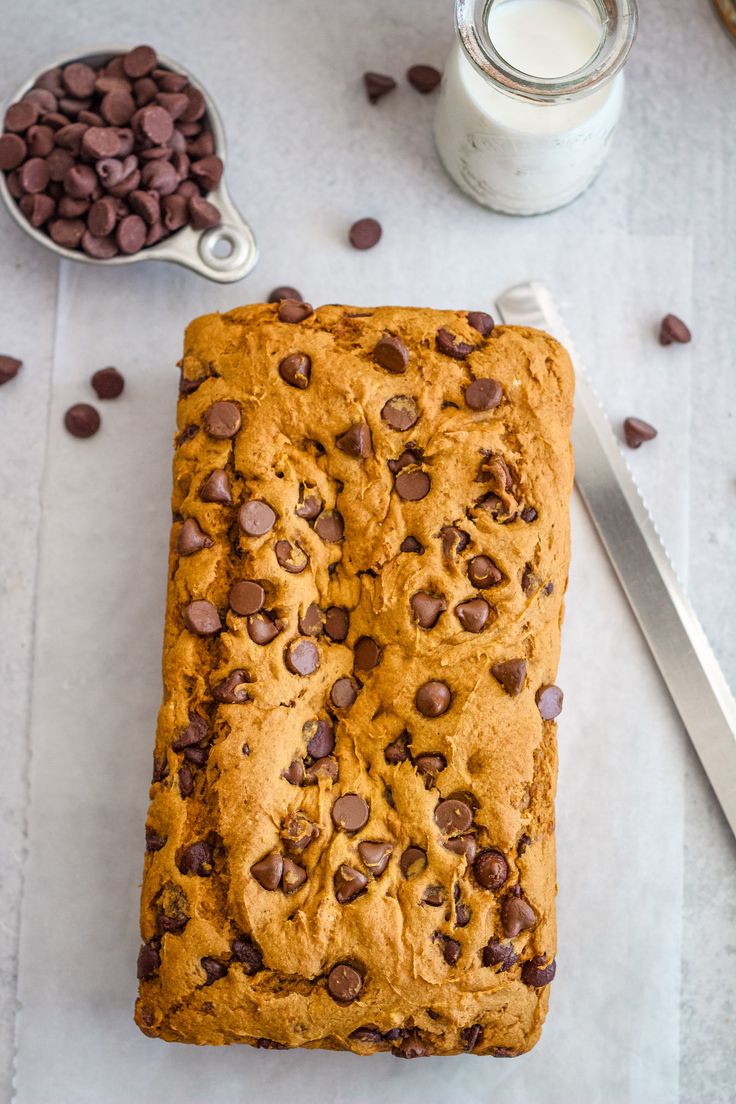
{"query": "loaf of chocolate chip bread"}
{"type": "Point", "coordinates": [350, 837]}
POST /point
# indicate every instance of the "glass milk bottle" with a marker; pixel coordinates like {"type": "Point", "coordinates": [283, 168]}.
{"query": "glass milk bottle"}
{"type": "Point", "coordinates": [530, 98]}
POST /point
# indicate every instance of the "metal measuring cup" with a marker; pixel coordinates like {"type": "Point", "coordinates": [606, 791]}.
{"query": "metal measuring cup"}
{"type": "Point", "coordinates": [223, 253]}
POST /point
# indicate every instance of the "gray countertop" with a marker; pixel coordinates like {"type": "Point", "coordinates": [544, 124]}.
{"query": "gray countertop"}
{"type": "Point", "coordinates": [673, 173]}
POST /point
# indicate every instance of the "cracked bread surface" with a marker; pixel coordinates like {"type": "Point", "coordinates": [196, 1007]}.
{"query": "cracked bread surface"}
{"type": "Point", "coordinates": [350, 841]}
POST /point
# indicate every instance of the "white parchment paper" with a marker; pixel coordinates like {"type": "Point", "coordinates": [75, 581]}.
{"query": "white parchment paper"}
{"type": "Point", "coordinates": [612, 1033]}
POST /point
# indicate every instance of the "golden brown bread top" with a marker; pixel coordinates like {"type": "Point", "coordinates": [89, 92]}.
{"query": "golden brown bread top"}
{"type": "Point", "coordinates": [354, 785]}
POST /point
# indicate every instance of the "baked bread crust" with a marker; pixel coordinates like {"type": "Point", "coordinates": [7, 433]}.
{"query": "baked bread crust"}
{"type": "Point", "coordinates": [437, 719]}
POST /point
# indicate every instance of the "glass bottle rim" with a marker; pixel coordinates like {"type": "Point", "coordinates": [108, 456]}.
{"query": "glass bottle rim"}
{"type": "Point", "coordinates": [619, 24]}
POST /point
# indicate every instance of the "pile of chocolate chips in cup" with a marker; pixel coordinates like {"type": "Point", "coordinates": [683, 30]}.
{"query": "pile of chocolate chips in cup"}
{"type": "Point", "coordinates": [114, 159]}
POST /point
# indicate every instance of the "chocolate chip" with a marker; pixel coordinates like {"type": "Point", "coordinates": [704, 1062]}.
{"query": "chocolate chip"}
{"type": "Point", "coordinates": [451, 950]}
{"type": "Point", "coordinates": [377, 85]}
{"type": "Point", "coordinates": [117, 107]}
{"type": "Point", "coordinates": [154, 841]}
{"type": "Point", "coordinates": [296, 370]}
{"type": "Point", "coordinates": [483, 572]}
{"type": "Point", "coordinates": [207, 171]}
{"type": "Point", "coordinates": [344, 983]}
{"type": "Point", "coordinates": [263, 628]}
{"type": "Point", "coordinates": [412, 486]}
{"type": "Point", "coordinates": [349, 883]}
{"type": "Point", "coordinates": [20, 116]}
{"type": "Point", "coordinates": [302, 657]}
{"type": "Point", "coordinates": [256, 517]}
{"type": "Point", "coordinates": [454, 541]}
{"type": "Point", "coordinates": [9, 368]}
{"type": "Point", "coordinates": [375, 855]}
{"type": "Point", "coordinates": [344, 692]}
{"type": "Point", "coordinates": [108, 383]}
{"type": "Point", "coordinates": [481, 322]}
{"type": "Point", "coordinates": [462, 845]}
{"type": "Point", "coordinates": [98, 143]}
{"type": "Point", "coordinates": [427, 608]}
{"type": "Point", "coordinates": [159, 176]}
{"type": "Point", "coordinates": [291, 557]}
{"type": "Point", "coordinates": [139, 62]}
{"type": "Point", "coordinates": [174, 210]}
{"type": "Point", "coordinates": [433, 698]}
{"type": "Point", "coordinates": [428, 766]}
{"type": "Point", "coordinates": [367, 654]}
{"type": "Point", "coordinates": [391, 353]}
{"type": "Point", "coordinates": [673, 329]}
{"type": "Point", "coordinates": [500, 954]}
{"type": "Point", "coordinates": [293, 877]}
{"type": "Point", "coordinates": [490, 868]}
{"type": "Point", "coordinates": [452, 816]}
{"type": "Point", "coordinates": [67, 233]}
{"type": "Point", "coordinates": [401, 412]}
{"type": "Point", "coordinates": [130, 236]}
{"type": "Point", "coordinates": [528, 515]}
{"type": "Point", "coordinates": [350, 812]}
{"type": "Point", "coordinates": [294, 773]}
{"type": "Point", "coordinates": [365, 233]}
{"type": "Point", "coordinates": [483, 394]}
{"type": "Point", "coordinates": [411, 1046]}
{"type": "Point", "coordinates": [312, 621]}
{"type": "Point", "coordinates": [367, 1034]}
{"type": "Point", "coordinates": [322, 768]}
{"type": "Point", "coordinates": [448, 344]}
{"type": "Point", "coordinates": [356, 441]}
{"type": "Point", "coordinates": [216, 488]}
{"type": "Point", "coordinates": [222, 419]}
{"type": "Point", "coordinates": [536, 974]}
{"type": "Point", "coordinates": [245, 951]}
{"type": "Point", "coordinates": [201, 617]}
{"type": "Point", "coordinates": [320, 738]}
{"type": "Point", "coordinates": [79, 79]}
{"type": "Point", "coordinates": [309, 506]}
{"type": "Point", "coordinates": [517, 915]}
{"type": "Point", "coordinates": [196, 859]}
{"type": "Point", "coordinates": [232, 690]}
{"type": "Point", "coordinates": [549, 702]}
{"type": "Point", "coordinates": [101, 248]}
{"type": "Point", "coordinates": [434, 896]}
{"type": "Point", "coordinates": [330, 526]}
{"type": "Point", "coordinates": [82, 420]}
{"type": "Point", "coordinates": [637, 432]}
{"type": "Point", "coordinates": [196, 731]}
{"type": "Point", "coordinates": [511, 675]}
{"type": "Point", "coordinates": [411, 544]}
{"type": "Point", "coordinates": [337, 623]}
{"type": "Point", "coordinates": [191, 539]}
{"type": "Point", "coordinates": [246, 597]}
{"type": "Point", "coordinates": [293, 310]}
{"type": "Point", "coordinates": [398, 750]}
{"type": "Point", "coordinates": [40, 141]}
{"type": "Point", "coordinates": [12, 151]}
{"type": "Point", "coordinates": [34, 175]}
{"type": "Point", "coordinates": [145, 204]}
{"type": "Point", "coordinates": [413, 861]}
{"type": "Point", "coordinates": [186, 781]}
{"type": "Point", "coordinates": [149, 962]}
{"type": "Point", "coordinates": [284, 292]}
{"type": "Point", "coordinates": [267, 871]}
{"type": "Point", "coordinates": [424, 78]}
{"type": "Point", "coordinates": [473, 614]}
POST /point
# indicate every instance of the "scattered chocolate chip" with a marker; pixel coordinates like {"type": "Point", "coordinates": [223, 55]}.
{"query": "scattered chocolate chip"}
{"type": "Point", "coordinates": [154, 842]}
{"type": "Point", "coordinates": [191, 539]}
{"type": "Point", "coordinates": [473, 614]}
{"type": "Point", "coordinates": [462, 845]}
{"type": "Point", "coordinates": [284, 292]}
{"type": "Point", "coordinates": [377, 85]}
{"type": "Point", "coordinates": [673, 329]}
{"type": "Point", "coordinates": [267, 871]}
{"type": "Point", "coordinates": [264, 627]}
{"type": "Point", "coordinates": [327, 767]}
{"type": "Point", "coordinates": [296, 370]}
{"type": "Point", "coordinates": [257, 518]}
{"type": "Point", "coordinates": [196, 731]}
{"type": "Point", "coordinates": [433, 698]}
{"type": "Point", "coordinates": [367, 654]}
{"type": "Point", "coordinates": [451, 950]}
{"type": "Point", "coordinates": [344, 983]}
{"type": "Point", "coordinates": [517, 915]}
{"type": "Point", "coordinates": [337, 623]}
{"type": "Point", "coordinates": [528, 515]}
{"type": "Point", "coordinates": [398, 750]}
{"type": "Point", "coordinates": [320, 738]}
{"type": "Point", "coordinates": [356, 441]}
{"type": "Point", "coordinates": [427, 608]}
{"type": "Point", "coordinates": [511, 675]}
{"type": "Point", "coordinates": [411, 1046]}
{"type": "Point", "coordinates": [367, 1034]}
{"type": "Point", "coordinates": [302, 657]}
{"type": "Point", "coordinates": [309, 506]}
{"type": "Point", "coordinates": [411, 544]}
{"type": "Point", "coordinates": [424, 78]}
{"type": "Point", "coordinates": [149, 962]}
{"type": "Point", "coordinates": [481, 322]}
{"type": "Point", "coordinates": [201, 617]}
{"type": "Point", "coordinates": [483, 572]}
{"type": "Point", "coordinates": [490, 868]}
{"type": "Point", "coordinates": [82, 420]}
{"type": "Point", "coordinates": [637, 432]}
{"type": "Point", "coordinates": [500, 954]}
{"type": "Point", "coordinates": [186, 781]}
{"type": "Point", "coordinates": [232, 690]}
{"type": "Point", "coordinates": [454, 541]}
{"type": "Point", "coordinates": [349, 883]}
{"type": "Point", "coordinates": [330, 526]}
{"type": "Point", "coordinates": [375, 855]}
{"type": "Point", "coordinates": [293, 877]}
{"type": "Point", "coordinates": [413, 861]}
{"type": "Point", "coordinates": [549, 702]}
{"type": "Point", "coordinates": [9, 368]}
{"type": "Point", "coordinates": [350, 812]}
{"type": "Point", "coordinates": [108, 383]}
{"type": "Point", "coordinates": [294, 773]}
{"type": "Point", "coordinates": [312, 621]}
{"type": "Point", "coordinates": [365, 233]}
{"type": "Point", "coordinates": [400, 413]}
{"type": "Point", "coordinates": [536, 974]}
{"type": "Point", "coordinates": [293, 311]}
{"type": "Point", "coordinates": [428, 766]}
{"type": "Point", "coordinates": [248, 953]}
{"type": "Point", "coordinates": [483, 394]}
{"type": "Point", "coordinates": [392, 354]}
{"type": "Point", "coordinates": [448, 344]}
{"type": "Point", "coordinates": [216, 488]}
{"type": "Point", "coordinates": [222, 420]}
{"type": "Point", "coordinates": [412, 486]}
{"type": "Point", "coordinates": [344, 692]}
{"type": "Point", "coordinates": [246, 597]}
{"type": "Point", "coordinates": [196, 859]}
{"type": "Point", "coordinates": [453, 816]}
{"type": "Point", "coordinates": [434, 896]}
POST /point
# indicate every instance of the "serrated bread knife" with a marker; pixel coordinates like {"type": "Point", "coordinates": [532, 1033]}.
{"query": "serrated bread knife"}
{"type": "Point", "coordinates": [666, 618]}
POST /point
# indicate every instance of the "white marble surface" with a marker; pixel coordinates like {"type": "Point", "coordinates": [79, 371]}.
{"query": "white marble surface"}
{"type": "Point", "coordinates": [672, 176]}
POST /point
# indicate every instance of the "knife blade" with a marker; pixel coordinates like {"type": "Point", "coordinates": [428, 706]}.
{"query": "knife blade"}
{"type": "Point", "coordinates": [670, 626]}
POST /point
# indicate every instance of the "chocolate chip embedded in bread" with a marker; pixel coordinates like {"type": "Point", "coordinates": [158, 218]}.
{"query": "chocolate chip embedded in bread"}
{"type": "Point", "coordinates": [367, 653]}
{"type": "Point", "coordinates": [490, 868]}
{"type": "Point", "coordinates": [216, 488]}
{"type": "Point", "coordinates": [453, 816]}
{"type": "Point", "coordinates": [149, 962]}
{"type": "Point", "coordinates": [337, 623]}
{"type": "Point", "coordinates": [427, 608]}
{"type": "Point", "coordinates": [375, 854]}
{"type": "Point", "coordinates": [391, 353]}
{"type": "Point", "coordinates": [356, 441]}
{"type": "Point", "coordinates": [511, 675]}
{"type": "Point", "coordinates": [344, 983]}
{"type": "Point", "coordinates": [296, 370]}
{"type": "Point", "coordinates": [310, 504]}
{"type": "Point", "coordinates": [256, 517]}
{"type": "Point", "coordinates": [549, 702]}
{"type": "Point", "coordinates": [291, 557]}
{"type": "Point", "coordinates": [448, 344]}
{"type": "Point", "coordinates": [320, 738]}
{"type": "Point", "coordinates": [293, 877]}
{"type": "Point", "coordinates": [267, 871]}
{"type": "Point", "coordinates": [451, 950]}
{"type": "Point", "coordinates": [411, 544]}
{"type": "Point", "coordinates": [481, 322]}
{"type": "Point", "coordinates": [245, 951]}
{"type": "Point", "coordinates": [483, 572]}
{"type": "Point", "coordinates": [201, 617]}
{"type": "Point", "coordinates": [284, 292]}
{"type": "Point", "coordinates": [302, 657]}
{"type": "Point", "coordinates": [233, 689]}
{"type": "Point", "coordinates": [222, 420]}
{"type": "Point", "coordinates": [330, 526]}
{"type": "Point", "coordinates": [454, 541]}
{"type": "Point", "coordinates": [264, 627]}
{"type": "Point", "coordinates": [428, 766]}
{"type": "Point", "coordinates": [349, 883]}
{"type": "Point", "coordinates": [191, 539]}
{"type": "Point", "coordinates": [483, 394]}
{"type": "Point", "coordinates": [496, 953]}
{"type": "Point", "coordinates": [350, 812]}
{"type": "Point", "coordinates": [464, 845]}
{"type": "Point", "coordinates": [400, 413]}
{"type": "Point", "coordinates": [312, 621]}
{"type": "Point", "coordinates": [517, 915]}
{"type": "Point", "coordinates": [537, 972]}
{"type": "Point", "coordinates": [433, 698]}
{"type": "Point", "coordinates": [473, 614]}
{"type": "Point", "coordinates": [412, 486]}
{"type": "Point", "coordinates": [246, 597]}
{"type": "Point", "coordinates": [344, 692]}
{"type": "Point", "coordinates": [292, 311]}
{"type": "Point", "coordinates": [294, 773]}
{"type": "Point", "coordinates": [197, 859]}
{"type": "Point", "coordinates": [327, 767]}
{"type": "Point", "coordinates": [413, 861]}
